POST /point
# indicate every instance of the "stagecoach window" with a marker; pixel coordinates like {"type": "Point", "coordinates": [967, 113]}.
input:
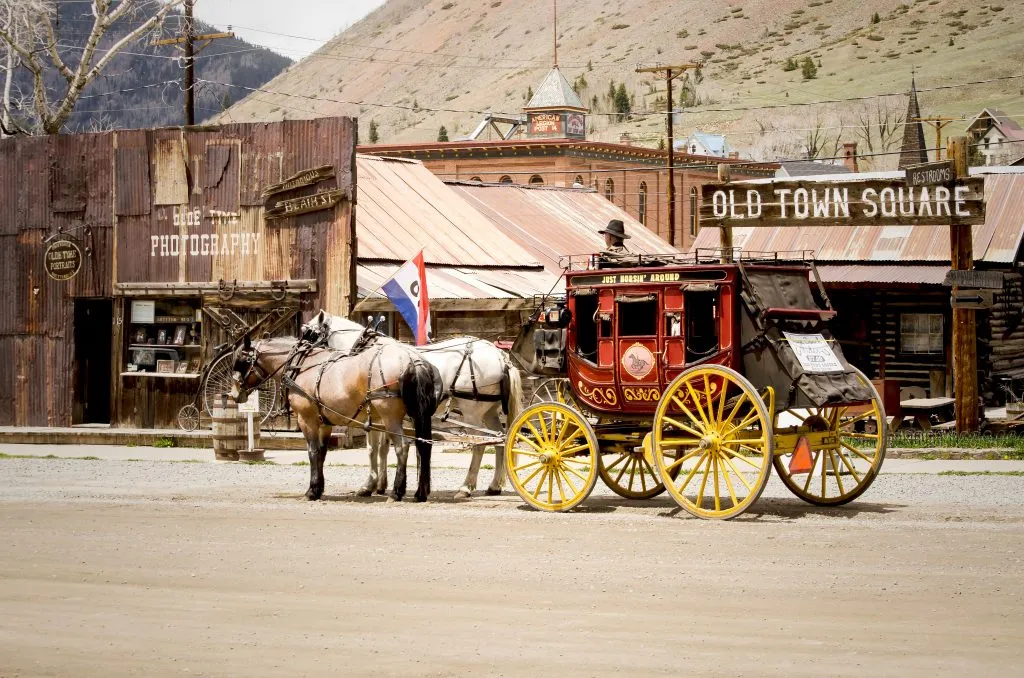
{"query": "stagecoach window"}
{"type": "Point", "coordinates": [505, 180]}
{"type": "Point", "coordinates": [586, 327]}
{"type": "Point", "coordinates": [638, 318]}
{"type": "Point", "coordinates": [701, 313]}
{"type": "Point", "coordinates": [609, 189]}
{"type": "Point", "coordinates": [536, 180]}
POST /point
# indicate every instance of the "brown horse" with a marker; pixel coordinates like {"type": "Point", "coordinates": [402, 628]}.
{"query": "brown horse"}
{"type": "Point", "coordinates": [378, 385]}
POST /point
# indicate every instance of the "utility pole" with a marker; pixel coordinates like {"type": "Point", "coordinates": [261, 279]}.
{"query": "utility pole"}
{"type": "Point", "coordinates": [671, 73]}
{"type": "Point", "coordinates": [938, 122]}
{"type": "Point", "coordinates": [188, 38]}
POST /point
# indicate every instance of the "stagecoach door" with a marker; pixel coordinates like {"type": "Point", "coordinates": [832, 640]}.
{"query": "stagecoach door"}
{"type": "Point", "coordinates": [638, 351]}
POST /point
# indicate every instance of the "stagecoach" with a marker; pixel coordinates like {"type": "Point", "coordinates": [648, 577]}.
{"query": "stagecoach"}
{"type": "Point", "coordinates": [694, 374]}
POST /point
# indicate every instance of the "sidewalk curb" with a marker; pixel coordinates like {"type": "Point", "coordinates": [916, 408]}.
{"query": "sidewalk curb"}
{"type": "Point", "coordinates": [951, 453]}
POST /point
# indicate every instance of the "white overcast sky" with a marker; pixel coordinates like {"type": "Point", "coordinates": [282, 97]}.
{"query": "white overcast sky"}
{"type": "Point", "coordinates": [257, 21]}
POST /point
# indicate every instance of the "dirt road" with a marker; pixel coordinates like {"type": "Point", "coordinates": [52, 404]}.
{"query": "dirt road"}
{"type": "Point", "coordinates": [162, 569]}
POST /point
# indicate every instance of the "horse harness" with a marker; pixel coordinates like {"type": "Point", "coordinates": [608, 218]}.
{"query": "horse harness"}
{"type": "Point", "coordinates": [467, 358]}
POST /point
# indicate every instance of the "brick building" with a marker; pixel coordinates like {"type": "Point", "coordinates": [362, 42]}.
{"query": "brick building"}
{"type": "Point", "coordinates": [548, 146]}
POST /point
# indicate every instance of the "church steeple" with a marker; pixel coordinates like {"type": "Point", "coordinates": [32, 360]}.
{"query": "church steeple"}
{"type": "Point", "coordinates": [914, 150]}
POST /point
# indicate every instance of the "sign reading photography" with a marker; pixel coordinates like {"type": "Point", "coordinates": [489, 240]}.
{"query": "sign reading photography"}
{"type": "Point", "coordinates": [876, 202]}
{"type": "Point", "coordinates": [63, 258]}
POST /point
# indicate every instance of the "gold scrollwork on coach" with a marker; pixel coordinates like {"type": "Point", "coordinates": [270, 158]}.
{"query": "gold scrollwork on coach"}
{"type": "Point", "coordinates": [641, 395]}
{"type": "Point", "coordinates": [598, 395]}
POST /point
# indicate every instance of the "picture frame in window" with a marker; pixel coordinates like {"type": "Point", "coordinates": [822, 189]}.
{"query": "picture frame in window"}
{"type": "Point", "coordinates": [181, 367]}
{"type": "Point", "coordinates": [165, 366]}
{"type": "Point", "coordinates": [193, 365]}
{"type": "Point", "coordinates": [179, 335]}
{"type": "Point", "coordinates": [161, 336]}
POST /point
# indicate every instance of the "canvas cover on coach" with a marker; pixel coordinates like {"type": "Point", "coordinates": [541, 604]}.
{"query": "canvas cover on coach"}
{"type": "Point", "coordinates": [773, 341]}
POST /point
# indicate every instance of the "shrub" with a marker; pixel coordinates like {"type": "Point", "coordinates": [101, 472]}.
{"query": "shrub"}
{"type": "Point", "coordinates": [790, 65]}
{"type": "Point", "coordinates": [442, 134]}
{"type": "Point", "coordinates": [808, 69]}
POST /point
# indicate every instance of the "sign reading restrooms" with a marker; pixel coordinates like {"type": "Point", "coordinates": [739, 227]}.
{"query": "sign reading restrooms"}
{"type": "Point", "coordinates": [876, 202]}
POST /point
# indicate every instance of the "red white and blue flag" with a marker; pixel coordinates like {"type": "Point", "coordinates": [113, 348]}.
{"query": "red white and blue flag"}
{"type": "Point", "coordinates": [407, 290]}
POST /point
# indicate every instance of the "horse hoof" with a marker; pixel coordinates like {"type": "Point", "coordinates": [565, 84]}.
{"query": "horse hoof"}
{"type": "Point", "coordinates": [493, 493]}
{"type": "Point", "coordinates": [419, 498]}
{"type": "Point", "coordinates": [462, 494]}
{"type": "Point", "coordinates": [363, 492]}
{"type": "Point", "coordinates": [393, 498]}
{"type": "Point", "coordinates": [313, 496]}
{"type": "Point", "coordinates": [382, 491]}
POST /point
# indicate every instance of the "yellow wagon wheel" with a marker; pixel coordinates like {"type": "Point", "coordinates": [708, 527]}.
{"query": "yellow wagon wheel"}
{"type": "Point", "coordinates": [632, 474]}
{"type": "Point", "coordinates": [845, 463]}
{"type": "Point", "coordinates": [551, 456]}
{"type": "Point", "coordinates": [713, 429]}
{"type": "Point", "coordinates": [553, 390]}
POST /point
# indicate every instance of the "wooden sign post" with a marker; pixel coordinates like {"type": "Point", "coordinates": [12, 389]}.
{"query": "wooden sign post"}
{"type": "Point", "coordinates": [725, 239]}
{"type": "Point", "coordinates": [965, 327]}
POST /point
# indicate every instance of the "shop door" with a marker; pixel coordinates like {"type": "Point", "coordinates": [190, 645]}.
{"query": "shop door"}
{"type": "Point", "coordinates": [93, 338]}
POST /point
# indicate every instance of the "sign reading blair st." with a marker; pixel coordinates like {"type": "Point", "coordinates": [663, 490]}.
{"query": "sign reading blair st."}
{"type": "Point", "coordinates": [876, 202]}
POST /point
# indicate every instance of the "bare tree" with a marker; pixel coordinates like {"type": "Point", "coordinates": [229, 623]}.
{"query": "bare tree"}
{"type": "Point", "coordinates": [27, 31]}
{"type": "Point", "coordinates": [821, 139]}
{"type": "Point", "coordinates": [878, 125]}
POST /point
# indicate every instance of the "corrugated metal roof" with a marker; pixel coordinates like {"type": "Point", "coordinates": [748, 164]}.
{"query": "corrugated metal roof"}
{"type": "Point", "coordinates": [555, 92]}
{"type": "Point", "coordinates": [551, 222]}
{"type": "Point", "coordinates": [997, 241]}
{"type": "Point", "coordinates": [403, 208]}
{"type": "Point", "coordinates": [465, 283]}
{"type": "Point", "coordinates": [886, 274]}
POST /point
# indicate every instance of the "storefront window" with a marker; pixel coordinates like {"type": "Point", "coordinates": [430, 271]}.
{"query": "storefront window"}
{"type": "Point", "coordinates": [164, 336]}
{"type": "Point", "coordinates": [921, 333]}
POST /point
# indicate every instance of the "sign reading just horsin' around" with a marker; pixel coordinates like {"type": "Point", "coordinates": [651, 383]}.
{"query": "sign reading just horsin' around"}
{"type": "Point", "coordinates": [876, 202]}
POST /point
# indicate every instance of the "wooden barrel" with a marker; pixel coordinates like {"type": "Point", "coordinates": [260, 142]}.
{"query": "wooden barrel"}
{"type": "Point", "coordinates": [228, 429]}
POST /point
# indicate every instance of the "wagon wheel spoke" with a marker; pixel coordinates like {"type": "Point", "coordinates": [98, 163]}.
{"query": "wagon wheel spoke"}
{"type": "Point", "coordinates": [560, 467]}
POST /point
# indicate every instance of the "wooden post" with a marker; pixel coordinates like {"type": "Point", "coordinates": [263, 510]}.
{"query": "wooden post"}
{"type": "Point", "coordinates": [725, 232]}
{"type": "Point", "coordinates": [965, 329]}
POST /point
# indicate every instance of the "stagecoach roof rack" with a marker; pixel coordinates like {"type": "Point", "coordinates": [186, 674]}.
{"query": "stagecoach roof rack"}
{"type": "Point", "coordinates": [585, 262]}
{"type": "Point", "coordinates": [706, 255]}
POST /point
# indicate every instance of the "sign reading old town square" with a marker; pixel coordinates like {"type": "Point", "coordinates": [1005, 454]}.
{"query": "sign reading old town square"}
{"type": "Point", "coordinates": [877, 202]}
{"type": "Point", "coordinates": [63, 258]}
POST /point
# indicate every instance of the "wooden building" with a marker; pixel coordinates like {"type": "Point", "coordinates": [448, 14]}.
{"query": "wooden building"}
{"type": "Point", "coordinates": [128, 256]}
{"type": "Point", "coordinates": [888, 286]}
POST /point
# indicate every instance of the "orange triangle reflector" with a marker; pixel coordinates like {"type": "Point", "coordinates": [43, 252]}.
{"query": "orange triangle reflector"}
{"type": "Point", "coordinates": [801, 461]}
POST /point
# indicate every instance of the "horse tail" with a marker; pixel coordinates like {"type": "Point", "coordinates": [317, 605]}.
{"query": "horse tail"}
{"type": "Point", "coordinates": [513, 404]}
{"type": "Point", "coordinates": [420, 395]}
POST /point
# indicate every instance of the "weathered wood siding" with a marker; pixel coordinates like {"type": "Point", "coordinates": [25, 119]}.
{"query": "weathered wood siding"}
{"type": "Point", "coordinates": [115, 192]}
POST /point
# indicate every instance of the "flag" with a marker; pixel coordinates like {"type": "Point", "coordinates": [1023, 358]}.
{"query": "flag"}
{"type": "Point", "coordinates": [407, 290]}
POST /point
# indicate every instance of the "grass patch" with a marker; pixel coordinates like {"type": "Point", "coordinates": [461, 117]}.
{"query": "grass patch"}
{"type": "Point", "coordinates": [165, 442]}
{"type": "Point", "coordinates": [619, 27]}
{"type": "Point", "coordinates": [4, 455]}
{"type": "Point", "coordinates": [300, 463]}
{"type": "Point", "coordinates": [981, 473]}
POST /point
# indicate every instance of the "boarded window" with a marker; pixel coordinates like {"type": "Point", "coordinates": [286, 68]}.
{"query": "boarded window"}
{"type": "Point", "coordinates": [170, 168]}
{"type": "Point", "coordinates": [132, 176]}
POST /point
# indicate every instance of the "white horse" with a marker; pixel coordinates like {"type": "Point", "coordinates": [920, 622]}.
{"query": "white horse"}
{"type": "Point", "coordinates": [479, 382]}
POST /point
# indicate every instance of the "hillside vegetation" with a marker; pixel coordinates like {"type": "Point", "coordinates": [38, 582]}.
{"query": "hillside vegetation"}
{"type": "Point", "coordinates": [444, 62]}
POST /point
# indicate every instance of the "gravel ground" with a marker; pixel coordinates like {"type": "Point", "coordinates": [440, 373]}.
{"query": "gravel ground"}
{"type": "Point", "coordinates": [148, 568]}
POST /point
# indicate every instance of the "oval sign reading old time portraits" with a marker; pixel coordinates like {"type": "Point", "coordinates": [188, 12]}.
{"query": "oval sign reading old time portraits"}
{"type": "Point", "coordinates": [63, 259]}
